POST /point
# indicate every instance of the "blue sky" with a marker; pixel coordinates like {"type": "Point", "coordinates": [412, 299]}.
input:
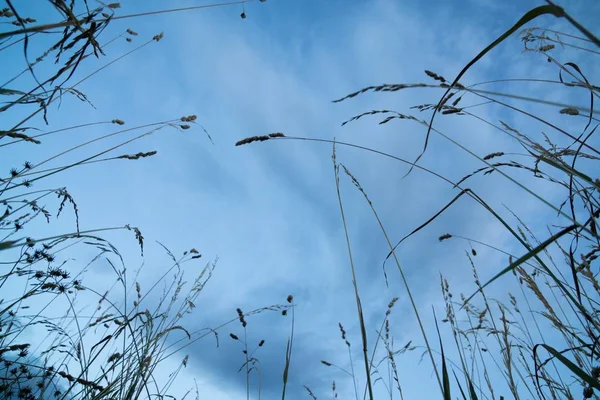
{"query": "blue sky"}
{"type": "Point", "coordinates": [269, 210]}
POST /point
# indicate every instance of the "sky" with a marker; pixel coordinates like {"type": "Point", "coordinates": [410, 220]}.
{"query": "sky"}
{"type": "Point", "coordinates": [269, 211]}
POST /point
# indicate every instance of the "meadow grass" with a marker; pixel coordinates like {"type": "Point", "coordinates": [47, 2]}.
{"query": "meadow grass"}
{"type": "Point", "coordinates": [492, 339]}
{"type": "Point", "coordinates": [113, 353]}
{"type": "Point", "coordinates": [50, 347]}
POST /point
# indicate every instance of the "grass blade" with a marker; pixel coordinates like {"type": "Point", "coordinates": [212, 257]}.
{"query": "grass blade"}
{"type": "Point", "coordinates": [445, 377]}
{"type": "Point", "coordinates": [525, 257]}
{"type": "Point", "coordinates": [581, 374]}
{"type": "Point", "coordinates": [529, 16]}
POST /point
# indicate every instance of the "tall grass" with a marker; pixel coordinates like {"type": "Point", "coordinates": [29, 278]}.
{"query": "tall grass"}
{"type": "Point", "coordinates": [543, 341]}
{"type": "Point", "coordinates": [51, 344]}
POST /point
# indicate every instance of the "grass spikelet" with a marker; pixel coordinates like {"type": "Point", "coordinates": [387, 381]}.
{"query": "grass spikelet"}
{"type": "Point", "coordinates": [138, 236]}
{"type": "Point", "coordinates": [435, 76]}
{"type": "Point", "coordinates": [138, 155]}
{"type": "Point", "coordinates": [493, 155]}
{"type": "Point", "coordinates": [259, 138]}
{"type": "Point", "coordinates": [445, 236]}
{"type": "Point", "coordinates": [241, 317]}
{"type": "Point", "coordinates": [189, 118]}
{"type": "Point", "coordinates": [546, 48]}
{"type": "Point", "coordinates": [569, 111]}
{"type": "Point", "coordinates": [18, 135]}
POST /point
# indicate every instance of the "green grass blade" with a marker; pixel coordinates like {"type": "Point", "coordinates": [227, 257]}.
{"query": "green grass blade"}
{"type": "Point", "coordinates": [581, 374]}
{"type": "Point", "coordinates": [570, 171]}
{"type": "Point", "coordinates": [472, 393]}
{"type": "Point", "coordinates": [286, 369]}
{"type": "Point", "coordinates": [462, 392]}
{"type": "Point", "coordinates": [445, 377]}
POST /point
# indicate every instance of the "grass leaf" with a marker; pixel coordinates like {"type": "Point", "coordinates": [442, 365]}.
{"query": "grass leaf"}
{"type": "Point", "coordinates": [581, 374]}
{"type": "Point", "coordinates": [529, 16]}
{"type": "Point", "coordinates": [525, 257]}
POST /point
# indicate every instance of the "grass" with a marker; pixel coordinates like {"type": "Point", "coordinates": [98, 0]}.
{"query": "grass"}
{"type": "Point", "coordinates": [50, 347]}
{"type": "Point", "coordinates": [540, 343]}
{"type": "Point", "coordinates": [492, 339]}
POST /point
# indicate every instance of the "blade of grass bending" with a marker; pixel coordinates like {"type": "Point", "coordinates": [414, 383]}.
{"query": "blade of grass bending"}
{"type": "Point", "coordinates": [530, 15]}
{"type": "Point", "coordinates": [581, 374]}
{"type": "Point", "coordinates": [570, 171]}
{"type": "Point", "coordinates": [577, 25]}
{"type": "Point", "coordinates": [526, 257]}
{"type": "Point", "coordinates": [543, 265]}
{"type": "Point", "coordinates": [423, 225]}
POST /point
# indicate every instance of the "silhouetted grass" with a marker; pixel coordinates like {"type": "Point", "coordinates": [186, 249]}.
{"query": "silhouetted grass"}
{"type": "Point", "coordinates": [507, 345]}
{"type": "Point", "coordinates": [50, 348]}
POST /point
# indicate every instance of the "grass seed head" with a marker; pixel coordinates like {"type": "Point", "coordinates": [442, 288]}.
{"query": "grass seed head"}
{"type": "Point", "coordinates": [444, 237]}
{"type": "Point", "coordinates": [493, 155]}
{"type": "Point", "coordinates": [342, 331]}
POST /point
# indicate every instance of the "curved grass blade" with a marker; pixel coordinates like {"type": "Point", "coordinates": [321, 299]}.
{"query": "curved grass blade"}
{"type": "Point", "coordinates": [581, 374]}
{"type": "Point", "coordinates": [423, 225]}
{"type": "Point", "coordinates": [529, 16]}
{"type": "Point", "coordinates": [577, 25]}
{"type": "Point", "coordinates": [526, 257]}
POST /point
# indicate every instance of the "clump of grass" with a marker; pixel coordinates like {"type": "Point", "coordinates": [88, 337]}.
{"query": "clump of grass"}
{"type": "Point", "coordinates": [111, 353]}
{"type": "Point", "coordinates": [251, 362]}
{"type": "Point", "coordinates": [542, 341]}
{"type": "Point", "coordinates": [48, 347]}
